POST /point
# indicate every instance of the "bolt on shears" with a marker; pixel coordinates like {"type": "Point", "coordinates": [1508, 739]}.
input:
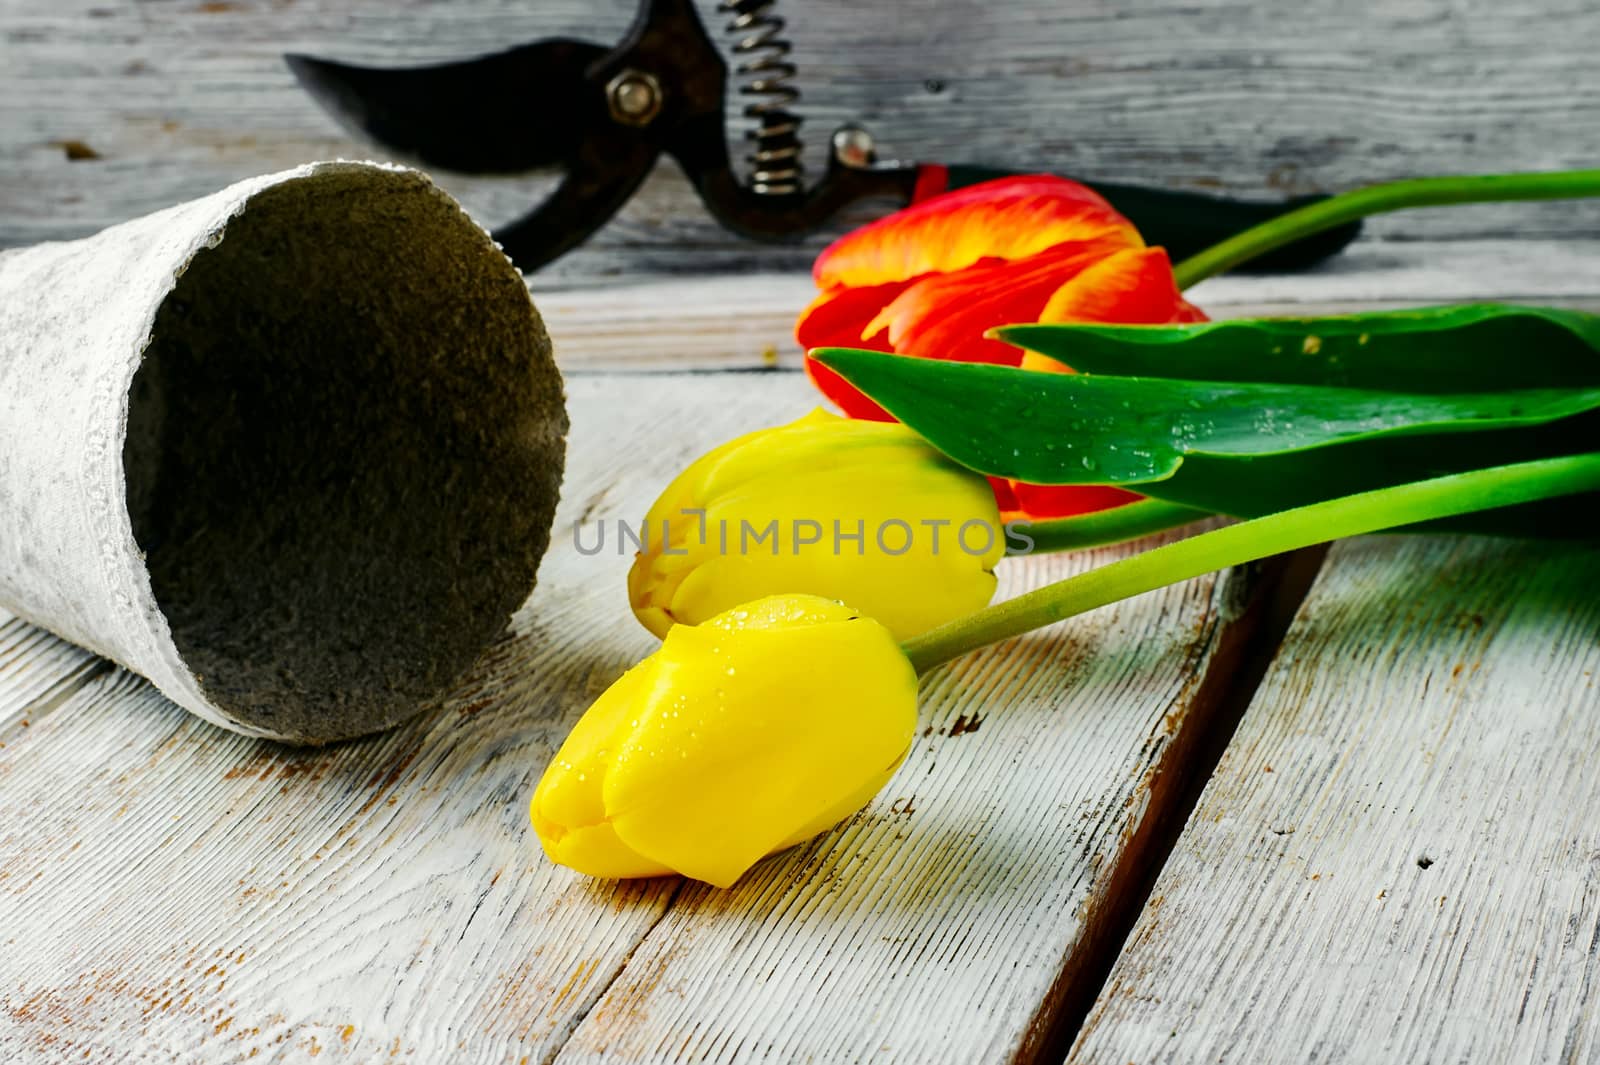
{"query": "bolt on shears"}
{"type": "Point", "coordinates": [663, 90]}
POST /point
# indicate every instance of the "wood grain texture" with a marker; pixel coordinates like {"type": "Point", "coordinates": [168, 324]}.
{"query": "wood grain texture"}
{"type": "Point", "coordinates": [1398, 858]}
{"type": "Point", "coordinates": [171, 892]}
{"type": "Point", "coordinates": [747, 322]}
{"type": "Point", "coordinates": [943, 924]}
{"type": "Point", "coordinates": [110, 110]}
{"type": "Point", "coordinates": [36, 670]}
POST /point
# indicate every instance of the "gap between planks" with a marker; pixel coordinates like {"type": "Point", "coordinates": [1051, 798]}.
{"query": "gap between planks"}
{"type": "Point", "coordinates": [40, 672]}
{"type": "Point", "coordinates": [1397, 859]}
{"type": "Point", "coordinates": [747, 321]}
{"type": "Point", "coordinates": [348, 884]}
{"type": "Point", "coordinates": [1226, 691]}
{"type": "Point", "coordinates": [1250, 633]}
{"type": "Point", "coordinates": [1260, 101]}
{"type": "Point", "coordinates": [1227, 684]}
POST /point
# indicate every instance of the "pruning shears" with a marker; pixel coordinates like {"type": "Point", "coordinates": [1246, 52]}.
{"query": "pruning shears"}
{"type": "Point", "coordinates": [605, 116]}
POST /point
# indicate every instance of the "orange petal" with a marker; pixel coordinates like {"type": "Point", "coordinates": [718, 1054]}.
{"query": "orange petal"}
{"type": "Point", "coordinates": [838, 318]}
{"type": "Point", "coordinates": [1010, 218]}
{"type": "Point", "coordinates": [1132, 287]}
{"type": "Point", "coordinates": [945, 316]}
{"type": "Point", "coordinates": [1041, 502]}
{"type": "Point", "coordinates": [1135, 287]}
{"type": "Point", "coordinates": [1003, 495]}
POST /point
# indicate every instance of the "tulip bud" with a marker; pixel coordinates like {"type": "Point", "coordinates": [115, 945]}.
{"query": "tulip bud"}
{"type": "Point", "coordinates": [861, 512]}
{"type": "Point", "coordinates": [738, 738]}
{"type": "Point", "coordinates": [933, 280]}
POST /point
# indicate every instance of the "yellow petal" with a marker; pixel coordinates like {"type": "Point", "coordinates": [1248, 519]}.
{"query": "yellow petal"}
{"type": "Point", "coordinates": [568, 796]}
{"type": "Point", "coordinates": [596, 851]}
{"type": "Point", "coordinates": [846, 806]}
{"type": "Point", "coordinates": [757, 735]}
{"type": "Point", "coordinates": [929, 531]}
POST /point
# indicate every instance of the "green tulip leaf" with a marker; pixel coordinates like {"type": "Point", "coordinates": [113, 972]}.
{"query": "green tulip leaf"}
{"type": "Point", "coordinates": [1095, 429]}
{"type": "Point", "coordinates": [1467, 348]}
{"type": "Point", "coordinates": [1252, 487]}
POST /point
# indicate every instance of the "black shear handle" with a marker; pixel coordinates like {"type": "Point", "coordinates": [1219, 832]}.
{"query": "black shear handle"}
{"type": "Point", "coordinates": [1189, 222]}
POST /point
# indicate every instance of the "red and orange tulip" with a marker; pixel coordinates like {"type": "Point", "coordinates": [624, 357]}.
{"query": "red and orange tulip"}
{"type": "Point", "coordinates": [932, 280]}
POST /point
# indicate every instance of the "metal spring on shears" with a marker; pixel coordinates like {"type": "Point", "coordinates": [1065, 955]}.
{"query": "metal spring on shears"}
{"type": "Point", "coordinates": [764, 71]}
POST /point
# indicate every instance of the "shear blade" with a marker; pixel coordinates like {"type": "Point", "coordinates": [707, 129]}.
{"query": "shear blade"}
{"type": "Point", "coordinates": [505, 113]}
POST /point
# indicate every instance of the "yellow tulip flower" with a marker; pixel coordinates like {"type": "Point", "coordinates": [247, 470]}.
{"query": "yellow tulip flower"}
{"type": "Point", "coordinates": [738, 738]}
{"type": "Point", "coordinates": [858, 511]}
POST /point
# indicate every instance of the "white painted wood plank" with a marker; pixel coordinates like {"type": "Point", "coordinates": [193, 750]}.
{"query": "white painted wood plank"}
{"type": "Point", "coordinates": [1398, 858]}
{"type": "Point", "coordinates": [37, 670]}
{"type": "Point", "coordinates": [747, 321]}
{"type": "Point", "coordinates": [1263, 100]}
{"type": "Point", "coordinates": [171, 892]}
{"type": "Point", "coordinates": [1377, 274]}
{"type": "Point", "coordinates": [947, 923]}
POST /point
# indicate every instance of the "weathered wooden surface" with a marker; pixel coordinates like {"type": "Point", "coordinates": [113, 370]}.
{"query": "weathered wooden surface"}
{"type": "Point", "coordinates": [1398, 858]}
{"type": "Point", "coordinates": [162, 102]}
{"type": "Point", "coordinates": [954, 920]}
{"type": "Point", "coordinates": [748, 321]}
{"type": "Point", "coordinates": [171, 892]}
{"type": "Point", "coordinates": [36, 671]}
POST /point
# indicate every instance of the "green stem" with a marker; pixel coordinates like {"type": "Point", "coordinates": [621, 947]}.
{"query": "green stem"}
{"type": "Point", "coordinates": [1442, 497]}
{"type": "Point", "coordinates": [1393, 196]}
{"type": "Point", "coordinates": [1114, 526]}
